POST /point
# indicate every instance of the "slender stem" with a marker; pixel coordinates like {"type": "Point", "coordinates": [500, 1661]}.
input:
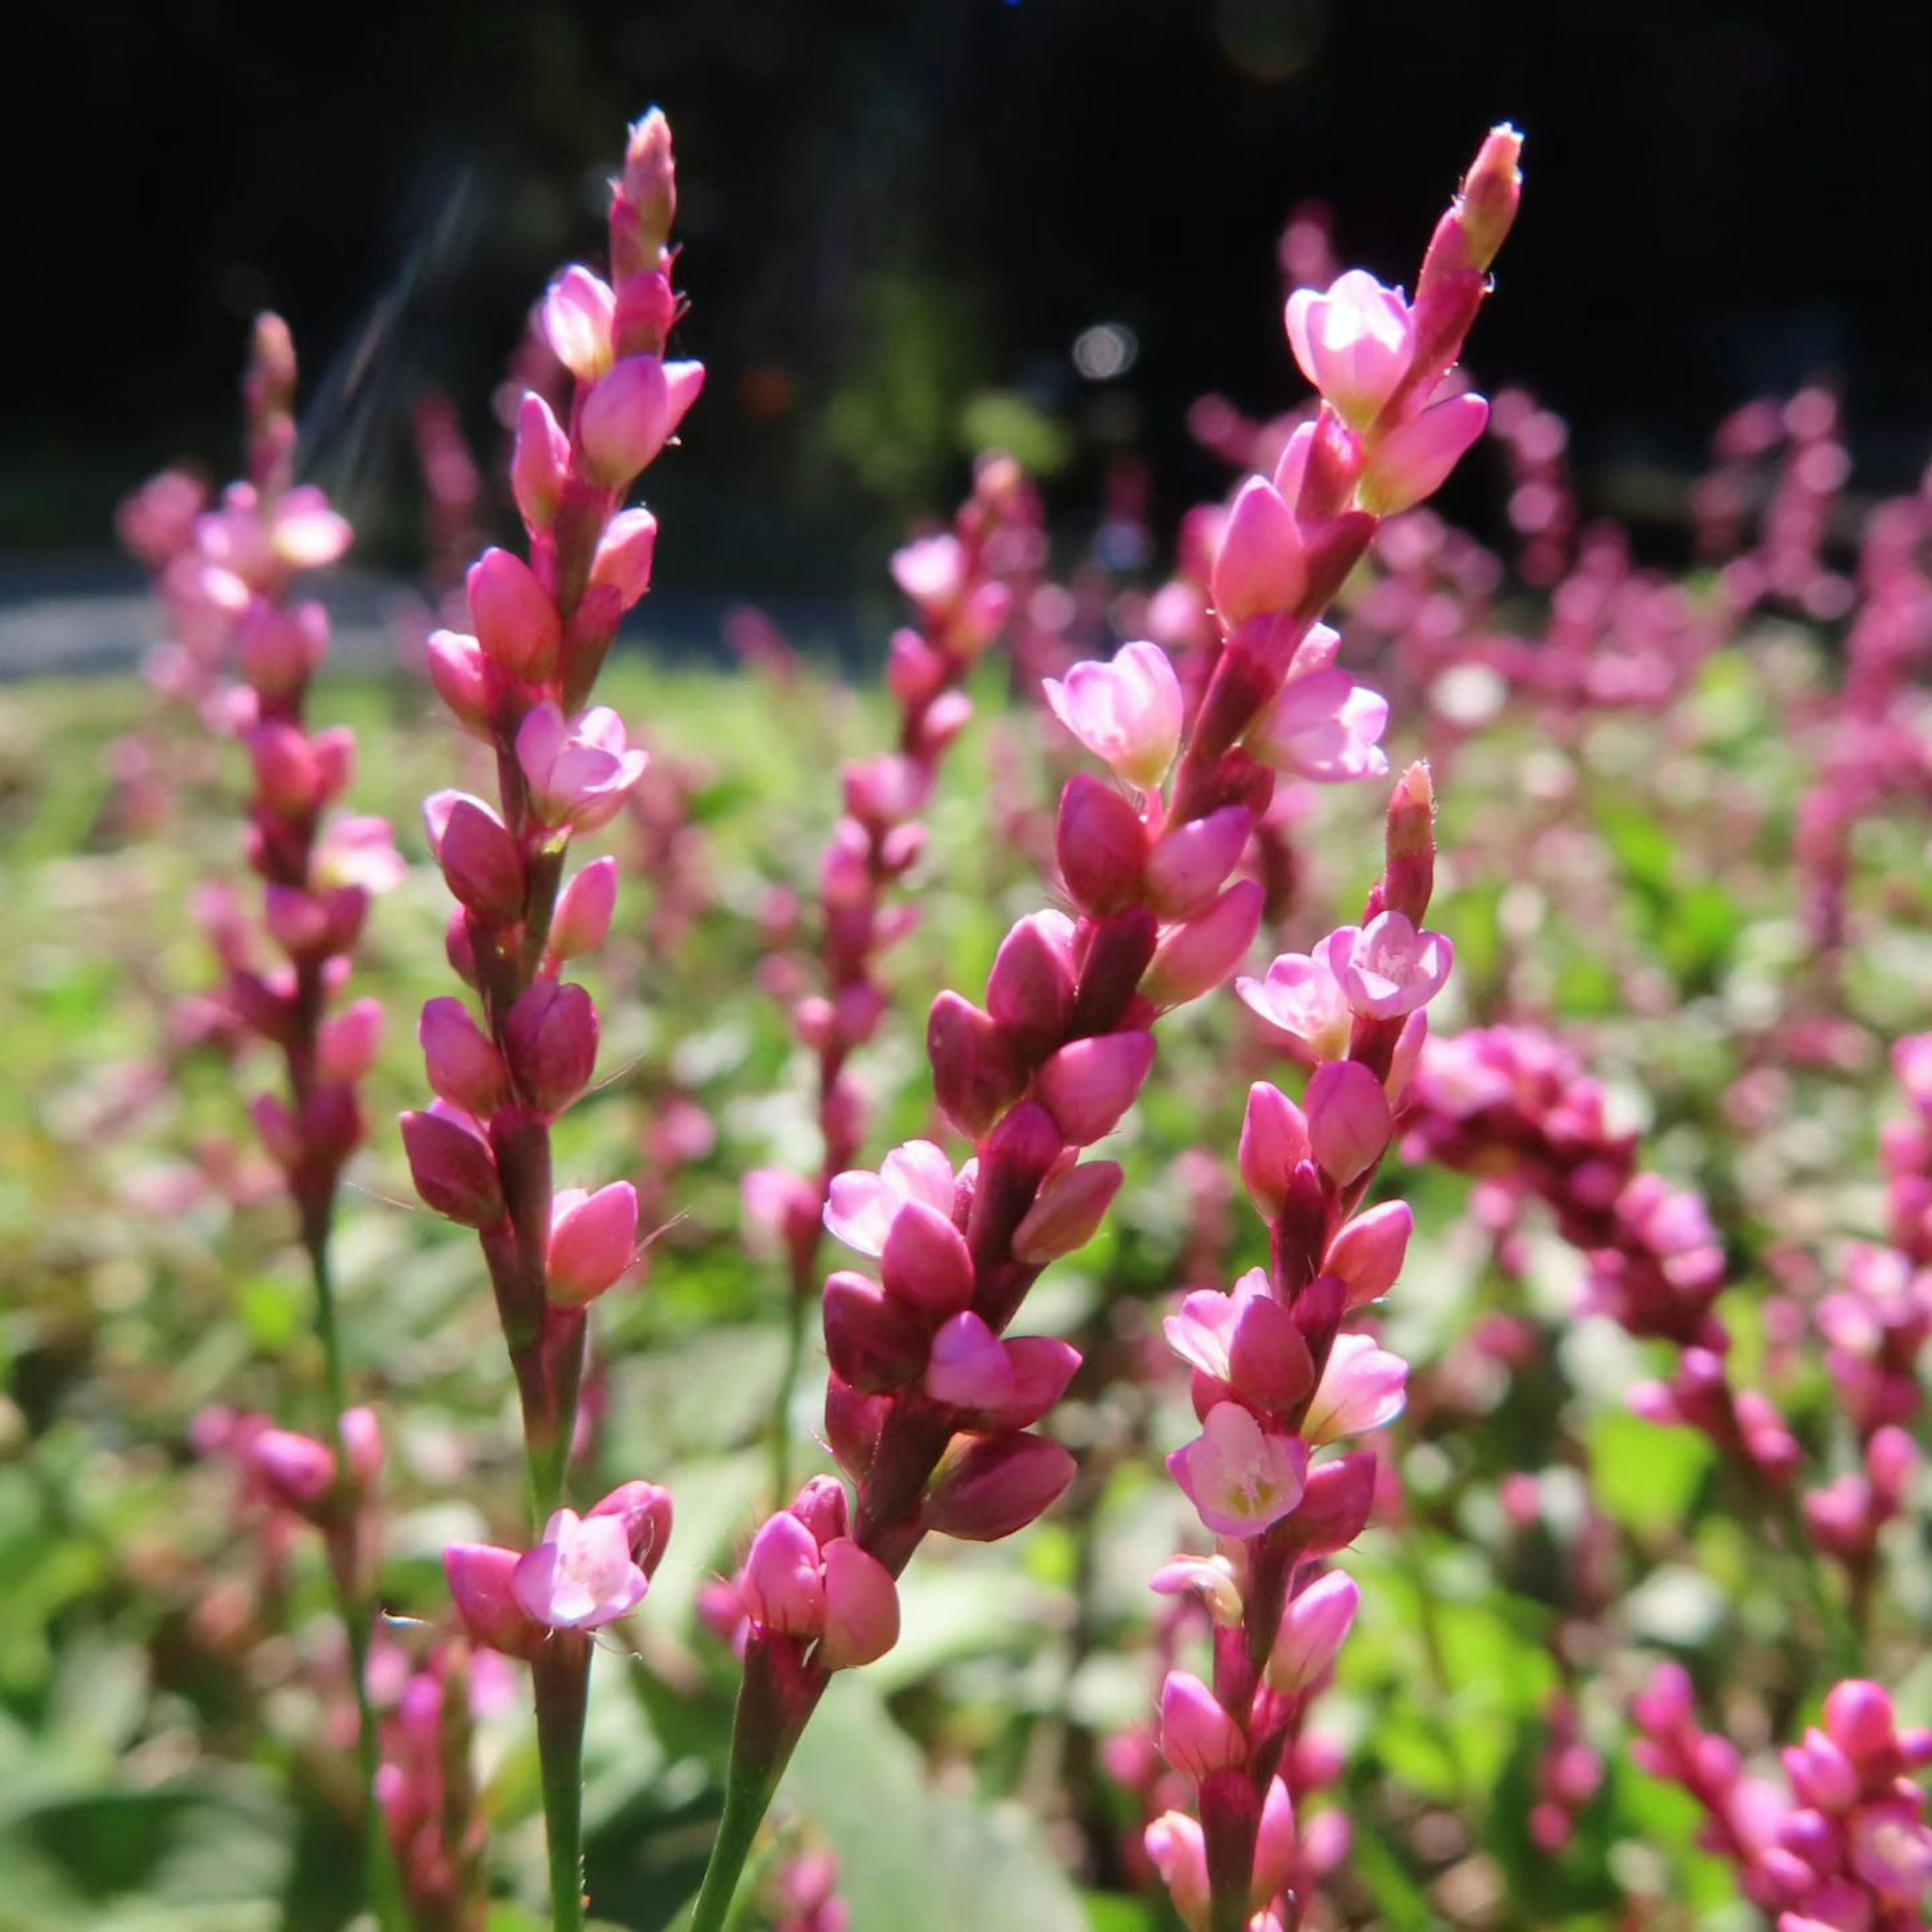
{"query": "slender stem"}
{"type": "Point", "coordinates": [797, 1309]}
{"type": "Point", "coordinates": [561, 1672]}
{"type": "Point", "coordinates": [746, 1802]}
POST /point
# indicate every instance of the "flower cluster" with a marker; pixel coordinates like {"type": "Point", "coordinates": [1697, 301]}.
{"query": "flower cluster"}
{"type": "Point", "coordinates": [1842, 1844]}
{"type": "Point", "coordinates": [429, 1797]}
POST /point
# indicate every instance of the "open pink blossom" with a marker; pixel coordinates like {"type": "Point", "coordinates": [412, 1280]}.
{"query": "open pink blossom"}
{"type": "Point", "coordinates": [1201, 1332]}
{"type": "Point", "coordinates": [1125, 711]}
{"type": "Point", "coordinates": [861, 1206]}
{"type": "Point", "coordinates": [1387, 968]}
{"type": "Point", "coordinates": [1363, 1387]}
{"type": "Point", "coordinates": [1354, 344]}
{"type": "Point", "coordinates": [579, 771]}
{"type": "Point", "coordinates": [582, 1575]}
{"type": "Point", "coordinates": [1326, 728]}
{"type": "Point", "coordinates": [1299, 993]}
{"type": "Point", "coordinates": [1240, 1478]}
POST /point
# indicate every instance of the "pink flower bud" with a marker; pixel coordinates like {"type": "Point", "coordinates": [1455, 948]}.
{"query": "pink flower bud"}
{"type": "Point", "coordinates": [1274, 1143]}
{"type": "Point", "coordinates": [1102, 847]}
{"type": "Point", "coordinates": [1195, 958]}
{"type": "Point", "coordinates": [347, 1045]}
{"type": "Point", "coordinates": [1326, 728]}
{"type": "Point", "coordinates": [873, 1342]}
{"type": "Point", "coordinates": [517, 624]}
{"type": "Point", "coordinates": [362, 1443]}
{"type": "Point", "coordinates": [632, 412]}
{"type": "Point", "coordinates": [782, 1584]}
{"type": "Point", "coordinates": [624, 555]}
{"type": "Point", "coordinates": [1368, 1253]}
{"type": "Point", "coordinates": [280, 1131]}
{"type": "Point", "coordinates": [580, 1576]}
{"type": "Point", "coordinates": [1268, 1360]}
{"type": "Point", "coordinates": [454, 1170]}
{"type": "Point", "coordinates": [579, 771]}
{"type": "Point", "coordinates": [1215, 1579]}
{"type": "Point", "coordinates": [297, 1472]}
{"type": "Point", "coordinates": [1274, 1845]}
{"type": "Point", "coordinates": [593, 1241]}
{"type": "Point", "coordinates": [464, 1067]}
{"type": "Point", "coordinates": [1355, 343]}
{"type": "Point", "coordinates": [480, 860]}
{"type": "Point", "coordinates": [1179, 1853]}
{"type": "Point", "coordinates": [539, 464]}
{"type": "Point", "coordinates": [976, 1073]}
{"type": "Point", "coordinates": [1126, 712]}
{"type": "Point", "coordinates": [862, 1607]}
{"type": "Point", "coordinates": [460, 672]}
{"type": "Point", "coordinates": [932, 572]}
{"type": "Point", "coordinates": [583, 918]}
{"type": "Point", "coordinates": [645, 1510]}
{"type": "Point", "coordinates": [1197, 1737]}
{"type": "Point", "coordinates": [1386, 968]}
{"type": "Point", "coordinates": [1300, 995]}
{"type": "Point", "coordinates": [1348, 1120]}
{"type": "Point", "coordinates": [280, 649]}
{"type": "Point", "coordinates": [479, 1576]}
{"type": "Point", "coordinates": [1089, 1084]}
{"type": "Point", "coordinates": [578, 311]}
{"type": "Point", "coordinates": [287, 777]}
{"type": "Point", "coordinates": [1862, 1720]}
{"type": "Point", "coordinates": [306, 533]}
{"type": "Point", "coordinates": [550, 1040]}
{"type": "Point", "coordinates": [1413, 462]}
{"type": "Point", "coordinates": [998, 1485]}
{"type": "Point", "coordinates": [1313, 1630]}
{"type": "Point", "coordinates": [1239, 1478]}
{"type": "Point", "coordinates": [1030, 991]}
{"type": "Point", "coordinates": [1068, 1213]}
{"type": "Point", "coordinates": [861, 1206]}
{"type": "Point", "coordinates": [1190, 862]}
{"type": "Point", "coordinates": [334, 753]}
{"type": "Point", "coordinates": [926, 1262]}
{"type": "Point", "coordinates": [1335, 1507]}
{"type": "Point", "coordinates": [1262, 567]}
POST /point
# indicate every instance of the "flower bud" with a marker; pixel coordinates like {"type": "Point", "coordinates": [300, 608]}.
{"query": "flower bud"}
{"type": "Point", "coordinates": [873, 1342]}
{"type": "Point", "coordinates": [550, 1041]}
{"type": "Point", "coordinates": [577, 312]}
{"type": "Point", "coordinates": [1412, 462]}
{"type": "Point", "coordinates": [464, 1066]}
{"type": "Point", "coordinates": [539, 464]}
{"type": "Point", "coordinates": [1274, 1142]}
{"type": "Point", "coordinates": [1262, 567]}
{"type": "Point", "coordinates": [926, 1262]}
{"type": "Point", "coordinates": [1369, 1252]}
{"type": "Point", "coordinates": [593, 1241]}
{"type": "Point", "coordinates": [582, 921]}
{"type": "Point", "coordinates": [479, 1576]}
{"type": "Point", "coordinates": [348, 1044]}
{"type": "Point", "coordinates": [1030, 991]}
{"type": "Point", "coordinates": [632, 412]}
{"type": "Point", "coordinates": [517, 624]}
{"type": "Point", "coordinates": [1089, 1084]}
{"type": "Point", "coordinates": [455, 1171]}
{"type": "Point", "coordinates": [1197, 1737]}
{"type": "Point", "coordinates": [1194, 959]}
{"type": "Point", "coordinates": [781, 1584]}
{"type": "Point", "coordinates": [976, 1073]}
{"type": "Point", "coordinates": [1335, 1504]}
{"type": "Point", "coordinates": [624, 555]}
{"type": "Point", "coordinates": [862, 1607]}
{"type": "Point", "coordinates": [1102, 847]}
{"type": "Point", "coordinates": [1068, 1213]}
{"type": "Point", "coordinates": [460, 673]}
{"type": "Point", "coordinates": [480, 860]}
{"type": "Point", "coordinates": [1348, 1120]}
{"type": "Point", "coordinates": [1190, 862]}
{"type": "Point", "coordinates": [998, 1485]}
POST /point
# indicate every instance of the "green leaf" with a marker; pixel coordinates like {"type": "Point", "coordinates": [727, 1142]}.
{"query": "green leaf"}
{"type": "Point", "coordinates": [1644, 1477]}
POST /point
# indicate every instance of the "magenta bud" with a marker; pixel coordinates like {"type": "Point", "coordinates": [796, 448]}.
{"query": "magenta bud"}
{"type": "Point", "coordinates": [287, 777]}
{"type": "Point", "coordinates": [593, 1241]}
{"type": "Point", "coordinates": [550, 1041]}
{"type": "Point", "coordinates": [1274, 1142]}
{"type": "Point", "coordinates": [464, 1068]}
{"type": "Point", "coordinates": [1196, 957]}
{"type": "Point", "coordinates": [998, 1485]}
{"type": "Point", "coordinates": [1068, 1213]}
{"type": "Point", "coordinates": [297, 1472]}
{"type": "Point", "coordinates": [624, 554]}
{"type": "Point", "coordinates": [1030, 991]}
{"type": "Point", "coordinates": [461, 675]}
{"type": "Point", "coordinates": [1190, 862]}
{"type": "Point", "coordinates": [298, 921]}
{"type": "Point", "coordinates": [1315, 1626]}
{"type": "Point", "coordinates": [279, 649]}
{"type": "Point", "coordinates": [1413, 462]}
{"type": "Point", "coordinates": [781, 1584]}
{"type": "Point", "coordinates": [1862, 1720]}
{"type": "Point", "coordinates": [1197, 1737]}
{"type": "Point", "coordinates": [1262, 568]}
{"type": "Point", "coordinates": [459, 948]}
{"type": "Point", "coordinates": [576, 318]}
{"type": "Point", "coordinates": [976, 1073]}
{"type": "Point", "coordinates": [539, 464]}
{"type": "Point", "coordinates": [873, 1343]}
{"type": "Point", "coordinates": [334, 753]}
{"type": "Point", "coordinates": [480, 862]}
{"type": "Point", "coordinates": [1368, 1253]}
{"type": "Point", "coordinates": [583, 919]}
{"type": "Point", "coordinates": [454, 1170]}
{"type": "Point", "coordinates": [632, 412]}
{"type": "Point", "coordinates": [926, 1262]}
{"type": "Point", "coordinates": [1335, 1504]}
{"type": "Point", "coordinates": [862, 1607]}
{"type": "Point", "coordinates": [1348, 1120]}
{"type": "Point", "coordinates": [853, 1421]}
{"type": "Point", "coordinates": [823, 1506]}
{"type": "Point", "coordinates": [1101, 846]}
{"type": "Point", "coordinates": [1268, 1360]}
{"type": "Point", "coordinates": [647, 1514]}
{"type": "Point", "coordinates": [362, 1444]}
{"type": "Point", "coordinates": [281, 1132]}
{"type": "Point", "coordinates": [479, 1576]}
{"type": "Point", "coordinates": [517, 624]}
{"type": "Point", "coordinates": [1089, 1084]}
{"type": "Point", "coordinates": [348, 1044]}
{"type": "Point", "coordinates": [914, 670]}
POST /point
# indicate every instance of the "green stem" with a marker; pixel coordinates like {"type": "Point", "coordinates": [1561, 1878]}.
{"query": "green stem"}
{"type": "Point", "coordinates": [746, 1804]}
{"type": "Point", "coordinates": [795, 1313]}
{"type": "Point", "coordinates": [562, 1678]}
{"type": "Point", "coordinates": [353, 1604]}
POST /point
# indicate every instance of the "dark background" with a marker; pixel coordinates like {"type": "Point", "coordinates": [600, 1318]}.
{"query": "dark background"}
{"type": "Point", "coordinates": [889, 210]}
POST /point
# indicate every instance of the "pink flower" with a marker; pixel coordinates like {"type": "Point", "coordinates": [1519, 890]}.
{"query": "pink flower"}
{"type": "Point", "coordinates": [632, 412]}
{"type": "Point", "coordinates": [1355, 343]}
{"type": "Point", "coordinates": [1126, 712]}
{"type": "Point", "coordinates": [593, 1241]}
{"type": "Point", "coordinates": [1348, 1120]}
{"type": "Point", "coordinates": [1413, 462]}
{"type": "Point", "coordinates": [1238, 1477]}
{"type": "Point", "coordinates": [1262, 565]}
{"type": "Point", "coordinates": [1174, 1842]}
{"type": "Point", "coordinates": [1197, 1737]}
{"type": "Point", "coordinates": [582, 1575]}
{"type": "Point", "coordinates": [1363, 1387]}
{"type": "Point", "coordinates": [932, 572]}
{"type": "Point", "coordinates": [360, 854]}
{"type": "Point", "coordinates": [577, 316]}
{"type": "Point", "coordinates": [1327, 728]}
{"type": "Point", "coordinates": [1313, 1629]}
{"type": "Point", "coordinates": [1387, 968]}
{"type": "Point", "coordinates": [579, 772]}
{"type": "Point", "coordinates": [861, 1207]}
{"type": "Point", "coordinates": [1300, 994]}
{"type": "Point", "coordinates": [1216, 1579]}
